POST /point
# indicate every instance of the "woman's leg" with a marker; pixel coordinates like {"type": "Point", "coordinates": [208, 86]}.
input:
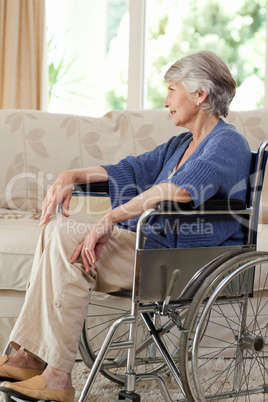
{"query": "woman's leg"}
{"type": "Point", "coordinates": [56, 297]}
{"type": "Point", "coordinates": [52, 317]}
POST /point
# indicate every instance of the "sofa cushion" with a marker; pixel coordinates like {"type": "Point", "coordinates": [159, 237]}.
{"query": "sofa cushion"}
{"type": "Point", "coordinates": [10, 306]}
{"type": "Point", "coordinates": [37, 146]}
{"type": "Point", "coordinates": [18, 239]}
{"type": "Point", "coordinates": [19, 234]}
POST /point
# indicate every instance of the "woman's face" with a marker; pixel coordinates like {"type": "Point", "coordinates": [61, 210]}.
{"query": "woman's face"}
{"type": "Point", "coordinates": [182, 106]}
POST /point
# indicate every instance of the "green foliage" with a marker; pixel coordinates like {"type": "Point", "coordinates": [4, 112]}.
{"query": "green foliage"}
{"type": "Point", "coordinates": [56, 71]}
{"type": "Point", "coordinates": [237, 35]}
{"type": "Point", "coordinates": [160, 28]}
{"type": "Point", "coordinates": [115, 102]}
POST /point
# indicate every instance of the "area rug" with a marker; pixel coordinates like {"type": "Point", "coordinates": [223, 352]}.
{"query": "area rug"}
{"type": "Point", "coordinates": [107, 391]}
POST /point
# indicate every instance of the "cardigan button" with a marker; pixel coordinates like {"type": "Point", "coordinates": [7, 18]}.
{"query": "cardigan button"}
{"type": "Point", "coordinates": [57, 303]}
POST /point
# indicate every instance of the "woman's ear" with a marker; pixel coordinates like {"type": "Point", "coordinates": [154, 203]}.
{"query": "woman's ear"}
{"type": "Point", "coordinates": [201, 95]}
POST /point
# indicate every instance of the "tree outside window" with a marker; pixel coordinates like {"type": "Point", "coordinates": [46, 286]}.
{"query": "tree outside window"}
{"type": "Point", "coordinates": [235, 30]}
{"type": "Point", "coordinates": [95, 42]}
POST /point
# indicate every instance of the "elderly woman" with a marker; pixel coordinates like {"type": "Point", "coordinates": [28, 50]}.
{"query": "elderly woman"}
{"type": "Point", "coordinates": [209, 160]}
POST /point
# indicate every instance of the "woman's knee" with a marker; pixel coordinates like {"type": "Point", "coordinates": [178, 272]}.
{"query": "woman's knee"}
{"type": "Point", "coordinates": [65, 231]}
{"type": "Point", "coordinates": [53, 224]}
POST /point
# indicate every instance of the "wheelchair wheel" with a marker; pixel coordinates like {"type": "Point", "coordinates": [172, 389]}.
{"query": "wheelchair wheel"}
{"type": "Point", "coordinates": [103, 311]}
{"type": "Point", "coordinates": [224, 349]}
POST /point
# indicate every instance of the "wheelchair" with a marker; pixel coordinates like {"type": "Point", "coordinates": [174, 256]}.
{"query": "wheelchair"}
{"type": "Point", "coordinates": [198, 314]}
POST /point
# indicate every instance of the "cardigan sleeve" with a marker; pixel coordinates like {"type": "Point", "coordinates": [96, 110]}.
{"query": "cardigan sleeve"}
{"type": "Point", "coordinates": [135, 174]}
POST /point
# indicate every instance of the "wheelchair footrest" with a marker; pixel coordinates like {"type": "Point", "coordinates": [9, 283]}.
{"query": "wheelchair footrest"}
{"type": "Point", "coordinates": [125, 395]}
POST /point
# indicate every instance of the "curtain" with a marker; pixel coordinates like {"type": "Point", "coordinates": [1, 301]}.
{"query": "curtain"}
{"type": "Point", "coordinates": [22, 54]}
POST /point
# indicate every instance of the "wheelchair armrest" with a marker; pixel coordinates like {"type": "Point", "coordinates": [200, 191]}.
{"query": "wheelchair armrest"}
{"type": "Point", "coordinates": [98, 188]}
{"type": "Point", "coordinates": [209, 205]}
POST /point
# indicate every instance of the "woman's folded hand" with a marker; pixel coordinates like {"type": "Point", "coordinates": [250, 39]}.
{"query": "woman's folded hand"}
{"type": "Point", "coordinates": [93, 242]}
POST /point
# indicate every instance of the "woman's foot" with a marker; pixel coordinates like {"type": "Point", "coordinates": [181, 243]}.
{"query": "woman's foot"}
{"type": "Point", "coordinates": [9, 371]}
{"type": "Point", "coordinates": [37, 389]}
{"type": "Point", "coordinates": [51, 383]}
{"type": "Point", "coordinates": [57, 379]}
{"type": "Point", "coordinates": [22, 359]}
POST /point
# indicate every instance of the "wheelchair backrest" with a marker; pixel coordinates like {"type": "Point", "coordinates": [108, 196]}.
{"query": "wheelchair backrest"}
{"type": "Point", "coordinates": [258, 166]}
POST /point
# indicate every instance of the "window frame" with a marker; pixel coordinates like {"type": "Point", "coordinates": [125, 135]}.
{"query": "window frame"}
{"type": "Point", "coordinates": [136, 62]}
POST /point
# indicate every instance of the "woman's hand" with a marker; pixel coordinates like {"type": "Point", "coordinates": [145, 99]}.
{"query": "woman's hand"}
{"type": "Point", "coordinates": [60, 191]}
{"type": "Point", "coordinates": [93, 242]}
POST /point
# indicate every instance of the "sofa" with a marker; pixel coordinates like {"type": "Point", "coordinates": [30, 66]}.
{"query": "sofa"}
{"type": "Point", "coordinates": [37, 146]}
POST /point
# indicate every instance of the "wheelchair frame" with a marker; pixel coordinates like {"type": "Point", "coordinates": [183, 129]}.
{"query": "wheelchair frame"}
{"type": "Point", "coordinates": [212, 284]}
{"type": "Point", "coordinates": [209, 281]}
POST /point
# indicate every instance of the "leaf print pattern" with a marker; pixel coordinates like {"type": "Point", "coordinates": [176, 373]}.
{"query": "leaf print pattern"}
{"type": "Point", "coordinates": [253, 125]}
{"type": "Point", "coordinates": [15, 121]}
{"type": "Point", "coordinates": [38, 145]}
{"type": "Point", "coordinates": [39, 149]}
{"type": "Point", "coordinates": [144, 131]}
{"type": "Point", "coordinates": [34, 136]}
{"type": "Point", "coordinates": [70, 123]}
{"type": "Point", "coordinates": [91, 138]}
{"type": "Point", "coordinates": [124, 126]}
{"type": "Point", "coordinates": [87, 120]}
{"type": "Point", "coordinates": [252, 122]}
{"type": "Point", "coordinates": [121, 123]}
{"type": "Point", "coordinates": [15, 168]}
{"type": "Point", "coordinates": [135, 114]}
{"type": "Point", "coordinates": [14, 197]}
{"type": "Point", "coordinates": [75, 164]}
{"type": "Point", "coordinates": [143, 136]}
{"type": "Point", "coordinates": [89, 141]}
{"type": "Point", "coordinates": [31, 116]}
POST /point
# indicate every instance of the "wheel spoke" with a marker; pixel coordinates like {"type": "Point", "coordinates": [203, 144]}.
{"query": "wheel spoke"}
{"type": "Point", "coordinates": [228, 333]}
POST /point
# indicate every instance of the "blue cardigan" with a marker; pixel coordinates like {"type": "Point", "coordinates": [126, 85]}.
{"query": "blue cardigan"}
{"type": "Point", "coordinates": [218, 168]}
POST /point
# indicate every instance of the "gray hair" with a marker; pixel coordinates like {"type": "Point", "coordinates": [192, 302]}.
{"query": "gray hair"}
{"type": "Point", "coordinates": [207, 72]}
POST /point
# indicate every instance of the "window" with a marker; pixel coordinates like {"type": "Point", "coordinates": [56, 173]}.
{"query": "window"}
{"type": "Point", "coordinates": [87, 55]}
{"type": "Point", "coordinates": [112, 54]}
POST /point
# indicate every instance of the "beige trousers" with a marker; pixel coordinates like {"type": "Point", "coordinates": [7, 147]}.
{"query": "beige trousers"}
{"type": "Point", "coordinates": [52, 317]}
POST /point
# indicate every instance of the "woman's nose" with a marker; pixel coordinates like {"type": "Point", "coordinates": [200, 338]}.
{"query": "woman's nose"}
{"type": "Point", "coordinates": [166, 103]}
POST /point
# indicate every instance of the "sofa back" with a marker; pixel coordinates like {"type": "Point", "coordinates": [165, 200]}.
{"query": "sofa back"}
{"type": "Point", "coordinates": [37, 146]}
